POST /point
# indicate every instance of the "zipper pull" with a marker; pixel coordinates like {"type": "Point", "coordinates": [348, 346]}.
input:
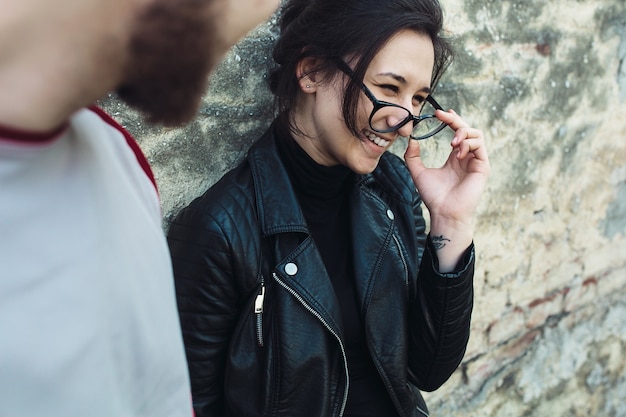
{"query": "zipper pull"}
{"type": "Point", "coordinates": [258, 302]}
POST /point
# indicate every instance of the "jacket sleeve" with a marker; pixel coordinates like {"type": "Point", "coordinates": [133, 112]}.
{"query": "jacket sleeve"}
{"type": "Point", "coordinates": [440, 318]}
{"type": "Point", "coordinates": [208, 303]}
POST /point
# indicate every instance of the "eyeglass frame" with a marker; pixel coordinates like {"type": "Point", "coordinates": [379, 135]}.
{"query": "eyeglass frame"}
{"type": "Point", "coordinates": [379, 104]}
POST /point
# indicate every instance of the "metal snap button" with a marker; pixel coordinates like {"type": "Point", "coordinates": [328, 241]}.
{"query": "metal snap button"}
{"type": "Point", "coordinates": [291, 269]}
{"type": "Point", "coordinates": [390, 214]}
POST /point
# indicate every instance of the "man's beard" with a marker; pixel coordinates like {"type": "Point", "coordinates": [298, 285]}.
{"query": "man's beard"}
{"type": "Point", "coordinates": [171, 52]}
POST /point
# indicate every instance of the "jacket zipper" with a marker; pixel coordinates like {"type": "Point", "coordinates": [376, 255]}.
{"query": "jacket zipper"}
{"type": "Point", "coordinates": [406, 269]}
{"type": "Point", "coordinates": [406, 282]}
{"type": "Point", "coordinates": [330, 329]}
{"type": "Point", "coordinates": [258, 312]}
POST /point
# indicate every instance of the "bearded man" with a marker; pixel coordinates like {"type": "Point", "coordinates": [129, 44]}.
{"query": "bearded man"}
{"type": "Point", "coordinates": [88, 319]}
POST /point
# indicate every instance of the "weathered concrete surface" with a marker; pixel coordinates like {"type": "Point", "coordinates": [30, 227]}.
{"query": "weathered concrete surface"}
{"type": "Point", "coordinates": [546, 81]}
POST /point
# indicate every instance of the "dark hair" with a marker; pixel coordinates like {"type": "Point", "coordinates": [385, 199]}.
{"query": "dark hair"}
{"type": "Point", "coordinates": [331, 29]}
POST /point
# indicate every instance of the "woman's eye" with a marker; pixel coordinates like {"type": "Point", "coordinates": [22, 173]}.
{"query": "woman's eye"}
{"type": "Point", "coordinates": [390, 87]}
{"type": "Point", "coordinates": [418, 101]}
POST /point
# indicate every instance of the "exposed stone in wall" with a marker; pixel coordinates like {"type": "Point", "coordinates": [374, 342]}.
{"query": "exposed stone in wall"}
{"type": "Point", "coordinates": [546, 81]}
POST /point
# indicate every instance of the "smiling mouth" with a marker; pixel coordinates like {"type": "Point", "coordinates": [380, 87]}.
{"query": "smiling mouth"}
{"type": "Point", "coordinates": [377, 140]}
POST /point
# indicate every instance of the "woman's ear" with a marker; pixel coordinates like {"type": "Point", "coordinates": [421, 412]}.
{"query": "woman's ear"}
{"type": "Point", "coordinates": [307, 74]}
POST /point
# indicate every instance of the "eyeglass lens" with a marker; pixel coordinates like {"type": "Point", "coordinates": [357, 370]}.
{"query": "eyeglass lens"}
{"type": "Point", "coordinates": [391, 118]}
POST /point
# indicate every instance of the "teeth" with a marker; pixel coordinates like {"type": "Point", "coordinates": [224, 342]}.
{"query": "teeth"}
{"type": "Point", "coordinates": [378, 141]}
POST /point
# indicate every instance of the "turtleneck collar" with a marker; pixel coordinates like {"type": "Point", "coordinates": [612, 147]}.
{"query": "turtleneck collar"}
{"type": "Point", "coordinates": [310, 179]}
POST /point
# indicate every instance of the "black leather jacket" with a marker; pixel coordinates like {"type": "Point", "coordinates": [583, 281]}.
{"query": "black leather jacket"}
{"type": "Point", "coordinates": [260, 319]}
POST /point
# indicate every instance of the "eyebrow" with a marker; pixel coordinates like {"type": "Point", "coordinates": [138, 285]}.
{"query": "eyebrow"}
{"type": "Point", "coordinates": [402, 80]}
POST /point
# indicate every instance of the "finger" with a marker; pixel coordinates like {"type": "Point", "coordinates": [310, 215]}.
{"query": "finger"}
{"type": "Point", "coordinates": [413, 149]}
{"type": "Point", "coordinates": [413, 158]}
{"type": "Point", "coordinates": [464, 133]}
{"type": "Point", "coordinates": [476, 146]}
{"type": "Point", "coordinates": [451, 118]}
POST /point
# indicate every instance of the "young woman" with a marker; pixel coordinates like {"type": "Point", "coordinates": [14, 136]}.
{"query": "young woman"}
{"type": "Point", "coordinates": [306, 284]}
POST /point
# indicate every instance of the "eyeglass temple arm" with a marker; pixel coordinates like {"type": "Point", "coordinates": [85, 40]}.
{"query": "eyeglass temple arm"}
{"type": "Point", "coordinates": [432, 101]}
{"type": "Point", "coordinates": [343, 67]}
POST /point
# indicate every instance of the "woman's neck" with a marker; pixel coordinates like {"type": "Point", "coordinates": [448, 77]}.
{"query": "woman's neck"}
{"type": "Point", "coordinates": [309, 177]}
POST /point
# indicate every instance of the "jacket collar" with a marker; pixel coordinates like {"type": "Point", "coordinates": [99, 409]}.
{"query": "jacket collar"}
{"type": "Point", "coordinates": [277, 204]}
{"type": "Point", "coordinates": [279, 212]}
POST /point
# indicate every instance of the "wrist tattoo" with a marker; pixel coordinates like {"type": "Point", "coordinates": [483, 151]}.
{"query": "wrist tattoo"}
{"type": "Point", "coordinates": [439, 242]}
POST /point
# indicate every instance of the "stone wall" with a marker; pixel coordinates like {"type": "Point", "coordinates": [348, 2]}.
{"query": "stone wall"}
{"type": "Point", "coordinates": [546, 81]}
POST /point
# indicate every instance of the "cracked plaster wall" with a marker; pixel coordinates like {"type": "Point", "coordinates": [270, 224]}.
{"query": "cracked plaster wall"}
{"type": "Point", "coordinates": [546, 81]}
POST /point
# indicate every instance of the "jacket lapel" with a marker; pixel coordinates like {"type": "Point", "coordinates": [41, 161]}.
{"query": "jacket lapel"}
{"type": "Point", "coordinates": [372, 228]}
{"type": "Point", "coordinates": [298, 262]}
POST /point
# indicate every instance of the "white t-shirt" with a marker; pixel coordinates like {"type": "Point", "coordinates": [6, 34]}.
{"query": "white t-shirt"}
{"type": "Point", "coordinates": [88, 318]}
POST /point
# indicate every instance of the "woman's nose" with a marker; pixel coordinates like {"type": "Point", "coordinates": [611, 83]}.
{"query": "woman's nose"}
{"type": "Point", "coordinates": [393, 118]}
{"type": "Point", "coordinates": [406, 129]}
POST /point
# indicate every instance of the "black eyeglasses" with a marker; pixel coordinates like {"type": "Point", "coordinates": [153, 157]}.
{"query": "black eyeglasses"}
{"type": "Point", "coordinates": [424, 126]}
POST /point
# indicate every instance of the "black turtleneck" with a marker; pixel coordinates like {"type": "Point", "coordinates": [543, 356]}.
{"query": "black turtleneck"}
{"type": "Point", "coordinates": [323, 193]}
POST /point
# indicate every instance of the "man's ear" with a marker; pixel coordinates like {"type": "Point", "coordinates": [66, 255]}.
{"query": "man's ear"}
{"type": "Point", "coordinates": [306, 71]}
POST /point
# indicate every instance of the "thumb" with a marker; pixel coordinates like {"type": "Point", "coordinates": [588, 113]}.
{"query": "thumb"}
{"type": "Point", "coordinates": [413, 159]}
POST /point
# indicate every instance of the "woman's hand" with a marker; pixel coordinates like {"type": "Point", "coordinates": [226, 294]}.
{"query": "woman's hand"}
{"type": "Point", "coordinates": [452, 192]}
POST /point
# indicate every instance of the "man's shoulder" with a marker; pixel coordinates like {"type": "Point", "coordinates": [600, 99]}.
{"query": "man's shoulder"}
{"type": "Point", "coordinates": [94, 114]}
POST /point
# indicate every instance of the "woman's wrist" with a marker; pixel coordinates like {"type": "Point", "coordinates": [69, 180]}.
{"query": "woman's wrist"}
{"type": "Point", "coordinates": [450, 239]}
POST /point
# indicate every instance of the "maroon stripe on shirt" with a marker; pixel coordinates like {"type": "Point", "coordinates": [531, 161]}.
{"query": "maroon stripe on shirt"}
{"type": "Point", "coordinates": [141, 158]}
{"type": "Point", "coordinates": [28, 137]}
